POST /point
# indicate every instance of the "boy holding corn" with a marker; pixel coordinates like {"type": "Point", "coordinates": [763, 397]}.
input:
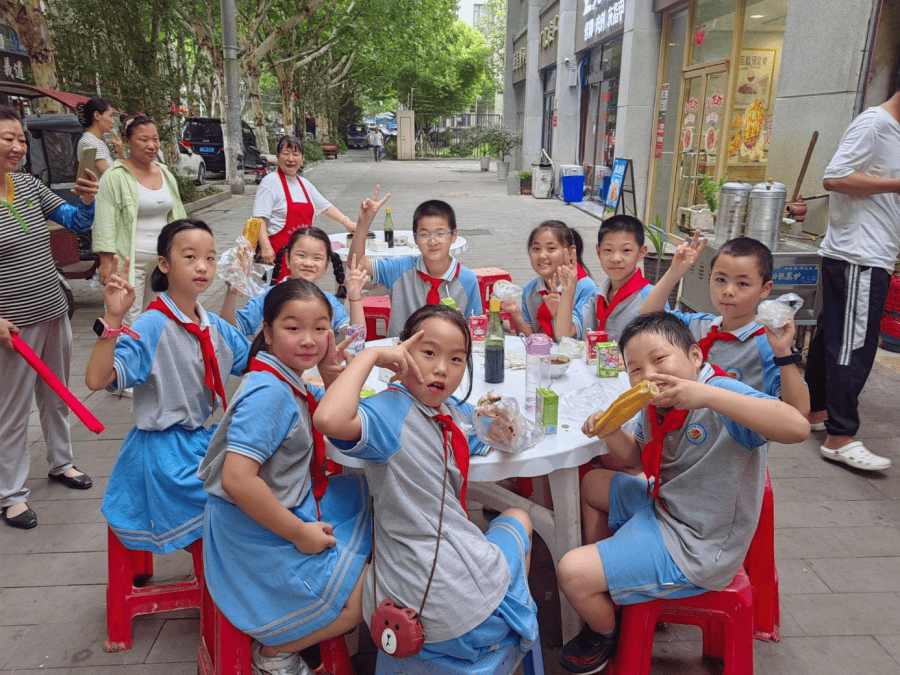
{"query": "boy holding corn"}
{"type": "Point", "coordinates": [684, 528]}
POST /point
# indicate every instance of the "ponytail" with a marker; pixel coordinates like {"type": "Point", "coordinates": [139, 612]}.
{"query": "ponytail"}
{"type": "Point", "coordinates": [279, 262]}
{"type": "Point", "coordinates": [339, 275]}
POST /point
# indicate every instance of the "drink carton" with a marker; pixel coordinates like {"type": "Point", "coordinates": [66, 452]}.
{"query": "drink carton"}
{"type": "Point", "coordinates": [546, 412]}
{"type": "Point", "coordinates": [607, 359]}
{"type": "Point", "coordinates": [592, 338]}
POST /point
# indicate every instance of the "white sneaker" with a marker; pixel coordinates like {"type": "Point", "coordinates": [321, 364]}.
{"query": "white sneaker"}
{"type": "Point", "coordinates": [282, 664]}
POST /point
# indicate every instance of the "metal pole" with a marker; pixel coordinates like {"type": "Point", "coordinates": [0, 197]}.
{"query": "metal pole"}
{"type": "Point", "coordinates": [232, 136]}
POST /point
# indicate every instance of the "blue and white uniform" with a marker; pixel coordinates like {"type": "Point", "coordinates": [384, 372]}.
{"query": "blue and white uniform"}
{"type": "Point", "coordinates": [750, 359]}
{"type": "Point", "coordinates": [532, 301]}
{"type": "Point", "coordinates": [250, 316]}
{"type": "Point", "coordinates": [409, 292]}
{"type": "Point", "coordinates": [479, 594]}
{"type": "Point", "coordinates": [261, 582]}
{"type": "Point", "coordinates": [621, 315]}
{"type": "Point", "coordinates": [154, 500]}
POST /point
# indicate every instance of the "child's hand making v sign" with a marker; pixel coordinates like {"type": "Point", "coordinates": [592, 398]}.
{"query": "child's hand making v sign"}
{"type": "Point", "coordinates": [563, 301]}
{"type": "Point", "coordinates": [367, 211]}
{"type": "Point", "coordinates": [685, 256]}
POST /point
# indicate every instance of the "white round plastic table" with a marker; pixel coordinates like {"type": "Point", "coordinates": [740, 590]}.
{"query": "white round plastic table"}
{"type": "Point", "coordinates": [557, 457]}
{"type": "Point", "coordinates": [457, 247]}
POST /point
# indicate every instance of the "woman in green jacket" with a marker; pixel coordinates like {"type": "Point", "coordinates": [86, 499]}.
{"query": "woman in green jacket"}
{"type": "Point", "coordinates": [137, 198]}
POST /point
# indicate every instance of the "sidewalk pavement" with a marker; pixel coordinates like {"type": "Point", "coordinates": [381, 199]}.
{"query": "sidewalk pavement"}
{"type": "Point", "coordinates": [837, 529]}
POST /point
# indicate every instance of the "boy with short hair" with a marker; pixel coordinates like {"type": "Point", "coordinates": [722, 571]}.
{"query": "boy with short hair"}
{"type": "Point", "coordinates": [740, 277]}
{"type": "Point", "coordinates": [427, 278]}
{"type": "Point", "coordinates": [687, 526]}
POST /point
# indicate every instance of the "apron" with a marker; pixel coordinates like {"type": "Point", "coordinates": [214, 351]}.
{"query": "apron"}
{"type": "Point", "coordinates": [298, 215]}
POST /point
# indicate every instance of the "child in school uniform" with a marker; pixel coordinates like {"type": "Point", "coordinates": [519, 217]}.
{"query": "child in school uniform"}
{"type": "Point", "coordinates": [308, 253]}
{"type": "Point", "coordinates": [426, 279]}
{"type": "Point", "coordinates": [411, 441]}
{"type": "Point", "coordinates": [552, 302]}
{"type": "Point", "coordinates": [620, 248]}
{"type": "Point", "coordinates": [685, 526]}
{"type": "Point", "coordinates": [284, 546]}
{"type": "Point", "coordinates": [740, 277]}
{"type": "Point", "coordinates": [177, 356]}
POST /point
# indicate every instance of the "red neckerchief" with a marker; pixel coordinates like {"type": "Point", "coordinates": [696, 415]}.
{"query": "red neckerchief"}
{"type": "Point", "coordinates": [434, 297]}
{"type": "Point", "coordinates": [651, 456]}
{"type": "Point", "coordinates": [544, 317]}
{"type": "Point", "coordinates": [317, 465]}
{"type": "Point", "coordinates": [714, 335]}
{"type": "Point", "coordinates": [634, 284]}
{"type": "Point", "coordinates": [298, 215]}
{"type": "Point", "coordinates": [212, 377]}
{"type": "Point", "coordinates": [460, 445]}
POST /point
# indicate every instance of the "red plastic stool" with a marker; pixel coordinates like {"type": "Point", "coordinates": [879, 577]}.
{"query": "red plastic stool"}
{"type": "Point", "coordinates": [375, 308]}
{"type": "Point", "coordinates": [726, 618]}
{"type": "Point", "coordinates": [760, 567]}
{"type": "Point", "coordinates": [487, 277]}
{"type": "Point", "coordinates": [125, 600]}
{"type": "Point", "coordinates": [224, 650]}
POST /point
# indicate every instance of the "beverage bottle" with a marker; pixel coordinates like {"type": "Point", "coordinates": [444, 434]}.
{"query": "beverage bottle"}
{"type": "Point", "coordinates": [537, 366]}
{"type": "Point", "coordinates": [493, 346]}
{"type": "Point", "coordinates": [388, 228]}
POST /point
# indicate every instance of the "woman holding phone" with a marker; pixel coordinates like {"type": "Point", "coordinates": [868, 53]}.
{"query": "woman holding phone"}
{"type": "Point", "coordinates": [96, 116]}
{"type": "Point", "coordinates": [32, 306]}
{"type": "Point", "coordinates": [138, 197]}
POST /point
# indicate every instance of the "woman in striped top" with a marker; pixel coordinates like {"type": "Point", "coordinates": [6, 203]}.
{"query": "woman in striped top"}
{"type": "Point", "coordinates": [32, 305]}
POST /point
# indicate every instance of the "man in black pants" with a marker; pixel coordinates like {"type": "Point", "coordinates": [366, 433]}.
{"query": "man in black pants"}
{"type": "Point", "coordinates": [858, 254]}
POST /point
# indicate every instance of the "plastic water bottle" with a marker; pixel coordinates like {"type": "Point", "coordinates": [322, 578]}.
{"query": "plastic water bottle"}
{"type": "Point", "coordinates": [537, 366]}
{"type": "Point", "coordinates": [493, 346]}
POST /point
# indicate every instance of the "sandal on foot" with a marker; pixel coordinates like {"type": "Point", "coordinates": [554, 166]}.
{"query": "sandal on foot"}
{"type": "Point", "coordinates": [856, 454]}
{"type": "Point", "coordinates": [817, 426]}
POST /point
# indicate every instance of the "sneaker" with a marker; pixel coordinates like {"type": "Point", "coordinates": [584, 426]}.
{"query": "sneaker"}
{"type": "Point", "coordinates": [588, 652]}
{"type": "Point", "coordinates": [282, 664]}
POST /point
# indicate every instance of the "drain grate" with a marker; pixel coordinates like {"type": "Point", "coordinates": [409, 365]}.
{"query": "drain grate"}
{"type": "Point", "coordinates": [475, 232]}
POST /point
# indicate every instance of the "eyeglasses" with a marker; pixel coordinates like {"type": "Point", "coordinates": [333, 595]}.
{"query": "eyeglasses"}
{"type": "Point", "coordinates": [423, 237]}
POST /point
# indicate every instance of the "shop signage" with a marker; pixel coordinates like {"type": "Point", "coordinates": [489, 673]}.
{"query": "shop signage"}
{"type": "Point", "coordinates": [798, 275]}
{"type": "Point", "coordinates": [597, 20]}
{"type": "Point", "coordinates": [661, 119]}
{"type": "Point", "coordinates": [549, 44]}
{"type": "Point", "coordinates": [519, 59]}
{"type": "Point", "coordinates": [15, 66]}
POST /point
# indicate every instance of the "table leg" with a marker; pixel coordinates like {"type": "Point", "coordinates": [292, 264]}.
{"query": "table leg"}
{"type": "Point", "coordinates": [566, 493]}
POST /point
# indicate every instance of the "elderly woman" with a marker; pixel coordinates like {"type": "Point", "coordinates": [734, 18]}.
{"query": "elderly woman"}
{"type": "Point", "coordinates": [33, 306]}
{"type": "Point", "coordinates": [286, 202]}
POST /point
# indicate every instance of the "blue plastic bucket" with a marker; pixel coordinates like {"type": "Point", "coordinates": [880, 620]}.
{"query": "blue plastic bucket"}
{"type": "Point", "coordinates": [573, 188]}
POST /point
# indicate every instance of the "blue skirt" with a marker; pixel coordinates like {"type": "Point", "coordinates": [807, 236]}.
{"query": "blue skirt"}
{"type": "Point", "coordinates": [265, 586]}
{"type": "Point", "coordinates": [154, 500]}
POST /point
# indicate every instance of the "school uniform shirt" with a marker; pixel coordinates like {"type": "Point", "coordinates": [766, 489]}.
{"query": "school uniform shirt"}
{"type": "Point", "coordinates": [260, 581]}
{"type": "Point", "coordinates": [250, 316]}
{"type": "Point", "coordinates": [532, 301]}
{"type": "Point", "coordinates": [749, 360]}
{"type": "Point", "coordinates": [402, 446]}
{"type": "Point", "coordinates": [154, 500]}
{"type": "Point", "coordinates": [713, 472]}
{"type": "Point", "coordinates": [621, 315]}
{"type": "Point", "coordinates": [409, 292]}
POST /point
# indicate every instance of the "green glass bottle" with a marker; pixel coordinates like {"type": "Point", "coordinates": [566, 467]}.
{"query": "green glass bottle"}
{"type": "Point", "coordinates": [493, 346]}
{"type": "Point", "coordinates": [388, 228]}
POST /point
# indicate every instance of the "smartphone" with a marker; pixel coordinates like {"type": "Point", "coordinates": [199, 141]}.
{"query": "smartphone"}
{"type": "Point", "coordinates": [87, 160]}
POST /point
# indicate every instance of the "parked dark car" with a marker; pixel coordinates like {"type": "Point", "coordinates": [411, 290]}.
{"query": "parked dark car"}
{"type": "Point", "coordinates": [357, 136]}
{"type": "Point", "coordinates": [204, 136]}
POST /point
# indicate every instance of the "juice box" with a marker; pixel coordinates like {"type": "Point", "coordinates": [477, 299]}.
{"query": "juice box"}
{"type": "Point", "coordinates": [546, 412]}
{"type": "Point", "coordinates": [592, 338]}
{"type": "Point", "coordinates": [478, 327]}
{"type": "Point", "coordinates": [449, 302]}
{"type": "Point", "coordinates": [607, 359]}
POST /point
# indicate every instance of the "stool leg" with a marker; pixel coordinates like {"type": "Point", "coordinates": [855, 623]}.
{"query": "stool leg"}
{"type": "Point", "coordinates": [142, 562]}
{"type": "Point", "coordinates": [232, 648]}
{"type": "Point", "coordinates": [118, 586]}
{"type": "Point", "coordinates": [335, 657]}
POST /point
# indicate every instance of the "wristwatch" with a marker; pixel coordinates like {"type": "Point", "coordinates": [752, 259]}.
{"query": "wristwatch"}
{"type": "Point", "coordinates": [103, 331]}
{"type": "Point", "coordinates": [795, 357]}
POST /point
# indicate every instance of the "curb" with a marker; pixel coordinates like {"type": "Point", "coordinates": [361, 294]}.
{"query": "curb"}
{"type": "Point", "coordinates": [206, 201]}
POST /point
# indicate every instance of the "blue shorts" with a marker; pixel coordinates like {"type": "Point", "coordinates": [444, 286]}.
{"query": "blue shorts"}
{"type": "Point", "coordinates": [637, 564]}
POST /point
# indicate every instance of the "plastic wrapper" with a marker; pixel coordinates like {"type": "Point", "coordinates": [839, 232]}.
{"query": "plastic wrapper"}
{"type": "Point", "coordinates": [571, 347]}
{"type": "Point", "coordinates": [507, 290]}
{"type": "Point", "coordinates": [582, 403]}
{"type": "Point", "coordinates": [774, 314]}
{"type": "Point", "coordinates": [237, 269]}
{"type": "Point", "coordinates": [499, 424]}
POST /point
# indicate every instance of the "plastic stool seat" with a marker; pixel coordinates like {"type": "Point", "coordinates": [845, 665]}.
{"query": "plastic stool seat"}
{"type": "Point", "coordinates": [487, 277]}
{"type": "Point", "coordinates": [502, 661]}
{"type": "Point", "coordinates": [375, 308]}
{"type": "Point", "coordinates": [125, 599]}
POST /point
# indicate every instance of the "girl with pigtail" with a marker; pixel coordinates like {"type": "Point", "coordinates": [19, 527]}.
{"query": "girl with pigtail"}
{"type": "Point", "coordinates": [308, 253]}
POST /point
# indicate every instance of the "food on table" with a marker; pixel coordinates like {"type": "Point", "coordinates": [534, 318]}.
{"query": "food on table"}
{"type": "Point", "coordinates": [626, 406]}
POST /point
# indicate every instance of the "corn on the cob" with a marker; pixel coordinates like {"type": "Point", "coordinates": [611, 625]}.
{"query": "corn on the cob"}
{"type": "Point", "coordinates": [251, 230]}
{"type": "Point", "coordinates": [626, 406]}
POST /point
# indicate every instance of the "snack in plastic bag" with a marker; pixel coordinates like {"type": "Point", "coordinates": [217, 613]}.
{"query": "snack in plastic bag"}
{"type": "Point", "coordinates": [507, 290]}
{"type": "Point", "coordinates": [571, 347]}
{"type": "Point", "coordinates": [237, 269]}
{"type": "Point", "coordinates": [774, 314]}
{"type": "Point", "coordinates": [499, 424]}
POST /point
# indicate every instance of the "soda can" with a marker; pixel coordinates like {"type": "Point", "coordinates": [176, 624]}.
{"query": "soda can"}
{"type": "Point", "coordinates": [359, 342]}
{"type": "Point", "coordinates": [593, 338]}
{"type": "Point", "coordinates": [478, 327]}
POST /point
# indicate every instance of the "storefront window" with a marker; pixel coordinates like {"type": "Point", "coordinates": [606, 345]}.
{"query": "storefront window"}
{"type": "Point", "coordinates": [712, 31]}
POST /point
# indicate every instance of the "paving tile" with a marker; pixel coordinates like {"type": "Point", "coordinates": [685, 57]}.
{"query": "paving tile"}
{"type": "Point", "coordinates": [10, 640]}
{"type": "Point", "coordinates": [824, 655]}
{"type": "Point", "coordinates": [53, 569]}
{"type": "Point", "coordinates": [185, 668]}
{"type": "Point", "coordinates": [176, 642]}
{"type": "Point", "coordinates": [54, 538]}
{"type": "Point", "coordinates": [799, 542]}
{"type": "Point", "coordinates": [891, 644]}
{"type": "Point", "coordinates": [837, 513]}
{"type": "Point", "coordinates": [796, 577]}
{"type": "Point", "coordinates": [43, 488]}
{"type": "Point", "coordinates": [92, 466]}
{"type": "Point", "coordinates": [847, 487]}
{"type": "Point", "coordinates": [117, 429]}
{"type": "Point", "coordinates": [789, 626]}
{"type": "Point", "coordinates": [859, 575]}
{"type": "Point", "coordinates": [791, 466]}
{"type": "Point", "coordinates": [807, 450]}
{"type": "Point", "coordinates": [106, 448]}
{"type": "Point", "coordinates": [844, 613]}
{"type": "Point", "coordinates": [47, 605]}
{"type": "Point", "coordinates": [63, 511]}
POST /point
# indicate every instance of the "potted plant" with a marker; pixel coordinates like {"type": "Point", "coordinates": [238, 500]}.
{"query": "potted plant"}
{"type": "Point", "coordinates": [474, 137]}
{"type": "Point", "coordinates": [501, 140]}
{"type": "Point", "coordinates": [524, 182]}
{"type": "Point", "coordinates": [701, 219]}
{"type": "Point", "coordinates": [658, 262]}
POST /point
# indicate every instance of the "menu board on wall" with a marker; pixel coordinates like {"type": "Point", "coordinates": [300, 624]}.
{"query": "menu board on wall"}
{"type": "Point", "coordinates": [597, 20]}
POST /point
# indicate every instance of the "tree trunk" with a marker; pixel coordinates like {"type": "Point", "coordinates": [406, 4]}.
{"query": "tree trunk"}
{"type": "Point", "coordinates": [284, 73]}
{"type": "Point", "coordinates": [259, 123]}
{"type": "Point", "coordinates": [28, 21]}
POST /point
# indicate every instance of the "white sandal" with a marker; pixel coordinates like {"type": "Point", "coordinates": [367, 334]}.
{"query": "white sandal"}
{"type": "Point", "coordinates": [858, 456]}
{"type": "Point", "coordinates": [817, 426]}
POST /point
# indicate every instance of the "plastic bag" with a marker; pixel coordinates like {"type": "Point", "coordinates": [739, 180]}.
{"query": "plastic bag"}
{"type": "Point", "coordinates": [571, 347]}
{"type": "Point", "coordinates": [774, 314]}
{"type": "Point", "coordinates": [499, 424]}
{"type": "Point", "coordinates": [584, 402]}
{"type": "Point", "coordinates": [237, 269]}
{"type": "Point", "coordinates": [507, 290]}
